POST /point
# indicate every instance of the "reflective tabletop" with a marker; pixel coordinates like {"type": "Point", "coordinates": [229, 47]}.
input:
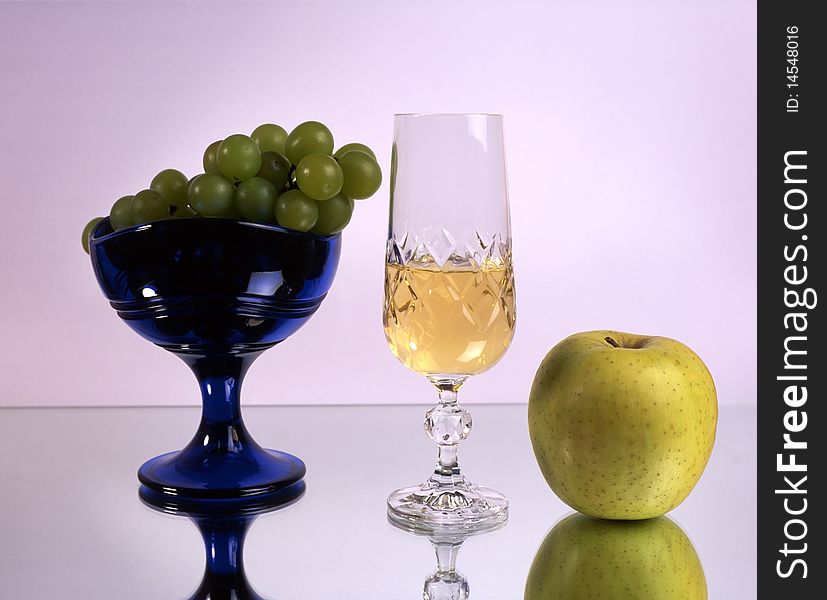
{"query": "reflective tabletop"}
{"type": "Point", "coordinates": [73, 525]}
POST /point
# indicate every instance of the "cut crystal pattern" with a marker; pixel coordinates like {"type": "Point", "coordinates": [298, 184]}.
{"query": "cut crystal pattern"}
{"type": "Point", "coordinates": [449, 309]}
{"type": "Point", "coordinates": [437, 247]}
{"type": "Point", "coordinates": [448, 424]}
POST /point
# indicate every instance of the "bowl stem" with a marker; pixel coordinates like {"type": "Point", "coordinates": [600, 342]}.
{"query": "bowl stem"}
{"type": "Point", "coordinates": [220, 377]}
{"type": "Point", "coordinates": [222, 460]}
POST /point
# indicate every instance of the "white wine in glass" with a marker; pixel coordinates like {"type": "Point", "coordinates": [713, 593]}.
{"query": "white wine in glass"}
{"type": "Point", "coordinates": [449, 308]}
{"type": "Point", "coordinates": [455, 319]}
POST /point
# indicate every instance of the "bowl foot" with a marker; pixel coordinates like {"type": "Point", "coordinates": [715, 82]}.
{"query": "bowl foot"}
{"type": "Point", "coordinates": [193, 473]}
{"type": "Point", "coordinates": [222, 508]}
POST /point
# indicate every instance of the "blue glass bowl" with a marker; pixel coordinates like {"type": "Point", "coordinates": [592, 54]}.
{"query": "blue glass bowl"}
{"type": "Point", "coordinates": [223, 524]}
{"type": "Point", "coordinates": [216, 292]}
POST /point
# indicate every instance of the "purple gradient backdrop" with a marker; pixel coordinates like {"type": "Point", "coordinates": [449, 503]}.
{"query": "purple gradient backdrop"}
{"type": "Point", "coordinates": [630, 132]}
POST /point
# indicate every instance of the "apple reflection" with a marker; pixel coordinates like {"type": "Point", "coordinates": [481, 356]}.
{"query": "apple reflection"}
{"type": "Point", "coordinates": [446, 583]}
{"type": "Point", "coordinates": [583, 558]}
{"type": "Point", "coordinates": [223, 525]}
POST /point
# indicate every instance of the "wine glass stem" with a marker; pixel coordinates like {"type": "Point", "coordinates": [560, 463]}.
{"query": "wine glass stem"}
{"type": "Point", "coordinates": [447, 459]}
{"type": "Point", "coordinates": [446, 555]}
{"type": "Point", "coordinates": [447, 463]}
{"type": "Point", "coordinates": [447, 424]}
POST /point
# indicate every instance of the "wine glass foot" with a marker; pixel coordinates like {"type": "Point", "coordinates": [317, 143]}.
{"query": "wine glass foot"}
{"type": "Point", "coordinates": [254, 472]}
{"type": "Point", "coordinates": [433, 507]}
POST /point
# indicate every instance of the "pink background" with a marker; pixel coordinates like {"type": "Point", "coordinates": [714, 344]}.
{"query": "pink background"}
{"type": "Point", "coordinates": [630, 132]}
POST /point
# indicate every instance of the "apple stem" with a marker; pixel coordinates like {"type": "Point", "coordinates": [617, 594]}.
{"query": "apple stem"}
{"type": "Point", "coordinates": [611, 341]}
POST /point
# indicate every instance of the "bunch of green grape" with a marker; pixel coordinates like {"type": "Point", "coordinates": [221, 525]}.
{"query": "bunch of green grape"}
{"type": "Point", "coordinates": [294, 180]}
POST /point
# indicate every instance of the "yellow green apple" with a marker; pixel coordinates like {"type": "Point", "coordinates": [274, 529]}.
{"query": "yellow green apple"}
{"type": "Point", "coordinates": [588, 559]}
{"type": "Point", "coordinates": [622, 425]}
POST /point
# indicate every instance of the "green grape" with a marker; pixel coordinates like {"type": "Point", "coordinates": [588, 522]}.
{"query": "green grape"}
{"type": "Point", "coordinates": [394, 167]}
{"type": "Point", "coordinates": [238, 158]}
{"type": "Point", "coordinates": [354, 146]}
{"type": "Point", "coordinates": [233, 212]}
{"type": "Point", "coordinates": [148, 206]}
{"type": "Point", "coordinates": [209, 161]}
{"type": "Point", "coordinates": [121, 215]}
{"type": "Point", "coordinates": [275, 168]}
{"type": "Point", "coordinates": [311, 137]}
{"type": "Point", "coordinates": [296, 211]}
{"type": "Point", "coordinates": [87, 231]}
{"type": "Point", "coordinates": [184, 212]}
{"type": "Point", "coordinates": [319, 176]}
{"type": "Point", "coordinates": [270, 138]}
{"type": "Point", "coordinates": [172, 185]}
{"type": "Point", "coordinates": [334, 215]}
{"type": "Point", "coordinates": [256, 200]}
{"type": "Point", "coordinates": [362, 174]}
{"type": "Point", "coordinates": [211, 195]}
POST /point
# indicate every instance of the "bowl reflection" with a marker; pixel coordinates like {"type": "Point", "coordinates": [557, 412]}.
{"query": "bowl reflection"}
{"type": "Point", "coordinates": [223, 525]}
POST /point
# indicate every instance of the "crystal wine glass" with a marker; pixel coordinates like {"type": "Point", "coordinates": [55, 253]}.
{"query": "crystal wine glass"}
{"type": "Point", "coordinates": [449, 309]}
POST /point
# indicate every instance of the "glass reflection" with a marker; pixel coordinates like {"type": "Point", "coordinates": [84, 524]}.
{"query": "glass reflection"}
{"type": "Point", "coordinates": [585, 558]}
{"type": "Point", "coordinates": [446, 583]}
{"type": "Point", "coordinates": [223, 525]}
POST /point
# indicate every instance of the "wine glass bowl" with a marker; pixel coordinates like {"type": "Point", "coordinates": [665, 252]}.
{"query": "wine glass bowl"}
{"type": "Point", "coordinates": [449, 308]}
{"type": "Point", "coordinates": [217, 293]}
